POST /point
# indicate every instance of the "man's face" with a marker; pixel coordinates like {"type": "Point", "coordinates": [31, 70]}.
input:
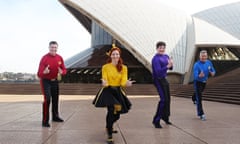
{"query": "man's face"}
{"type": "Point", "coordinates": [203, 57]}
{"type": "Point", "coordinates": [161, 49]}
{"type": "Point", "coordinates": [53, 49]}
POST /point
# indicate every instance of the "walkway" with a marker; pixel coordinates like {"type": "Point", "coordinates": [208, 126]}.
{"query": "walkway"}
{"type": "Point", "coordinates": [20, 122]}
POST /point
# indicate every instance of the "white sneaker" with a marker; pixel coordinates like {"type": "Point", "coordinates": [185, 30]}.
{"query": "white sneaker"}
{"type": "Point", "coordinates": [203, 117]}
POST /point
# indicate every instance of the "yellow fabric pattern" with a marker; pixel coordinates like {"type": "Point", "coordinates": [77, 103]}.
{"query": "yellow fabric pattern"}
{"type": "Point", "coordinates": [117, 108]}
{"type": "Point", "coordinates": [112, 76]}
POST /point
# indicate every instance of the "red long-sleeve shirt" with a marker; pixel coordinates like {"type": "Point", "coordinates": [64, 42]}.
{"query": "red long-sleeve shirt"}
{"type": "Point", "coordinates": [54, 63]}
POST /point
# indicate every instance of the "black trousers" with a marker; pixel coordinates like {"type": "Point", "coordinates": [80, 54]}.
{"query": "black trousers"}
{"type": "Point", "coordinates": [163, 108]}
{"type": "Point", "coordinates": [194, 97]}
{"type": "Point", "coordinates": [199, 88]}
{"type": "Point", "coordinates": [50, 91]}
{"type": "Point", "coordinates": [111, 118]}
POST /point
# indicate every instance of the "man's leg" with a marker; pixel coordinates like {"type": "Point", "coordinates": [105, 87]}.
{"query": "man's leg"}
{"type": "Point", "coordinates": [55, 101]}
{"type": "Point", "coordinates": [45, 87]}
{"type": "Point", "coordinates": [199, 89]}
{"type": "Point", "coordinates": [159, 111]}
{"type": "Point", "coordinates": [194, 98]}
{"type": "Point", "coordinates": [166, 110]}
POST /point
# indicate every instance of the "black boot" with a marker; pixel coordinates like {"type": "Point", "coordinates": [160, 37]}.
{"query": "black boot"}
{"type": "Point", "coordinates": [110, 138]}
{"type": "Point", "coordinates": [157, 124]}
{"type": "Point", "coordinates": [166, 120]}
{"type": "Point", "coordinates": [57, 119]}
{"type": "Point", "coordinates": [45, 124]}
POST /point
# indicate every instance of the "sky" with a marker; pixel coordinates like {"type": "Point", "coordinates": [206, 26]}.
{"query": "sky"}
{"type": "Point", "coordinates": [27, 26]}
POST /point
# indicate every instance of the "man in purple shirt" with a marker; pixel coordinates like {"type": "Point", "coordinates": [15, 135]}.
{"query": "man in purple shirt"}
{"type": "Point", "coordinates": [160, 64]}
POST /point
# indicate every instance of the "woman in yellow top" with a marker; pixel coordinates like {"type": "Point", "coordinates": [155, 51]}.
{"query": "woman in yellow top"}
{"type": "Point", "coordinates": [112, 96]}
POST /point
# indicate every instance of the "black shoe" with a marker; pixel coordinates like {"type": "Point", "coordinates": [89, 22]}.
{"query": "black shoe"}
{"type": "Point", "coordinates": [110, 140]}
{"type": "Point", "coordinates": [157, 125]}
{"type": "Point", "coordinates": [168, 122]}
{"type": "Point", "coordinates": [45, 124]}
{"type": "Point", "coordinates": [57, 119]}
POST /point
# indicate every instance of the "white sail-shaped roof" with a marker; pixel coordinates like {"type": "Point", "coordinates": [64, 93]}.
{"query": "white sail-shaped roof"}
{"type": "Point", "coordinates": [226, 17]}
{"type": "Point", "coordinates": [138, 25]}
{"type": "Point", "coordinates": [207, 34]}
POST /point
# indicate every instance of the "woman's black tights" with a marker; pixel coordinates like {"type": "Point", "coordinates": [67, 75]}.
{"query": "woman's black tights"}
{"type": "Point", "coordinates": [110, 119]}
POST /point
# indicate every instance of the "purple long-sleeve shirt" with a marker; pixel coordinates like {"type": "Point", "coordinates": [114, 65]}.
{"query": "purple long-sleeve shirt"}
{"type": "Point", "coordinates": [159, 66]}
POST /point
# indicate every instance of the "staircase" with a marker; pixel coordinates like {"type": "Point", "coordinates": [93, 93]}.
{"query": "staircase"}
{"type": "Point", "coordinates": [224, 88]}
{"type": "Point", "coordinates": [73, 89]}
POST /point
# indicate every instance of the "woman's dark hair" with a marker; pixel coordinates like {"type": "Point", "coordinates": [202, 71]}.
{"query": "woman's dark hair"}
{"type": "Point", "coordinates": [120, 62]}
{"type": "Point", "coordinates": [160, 43]}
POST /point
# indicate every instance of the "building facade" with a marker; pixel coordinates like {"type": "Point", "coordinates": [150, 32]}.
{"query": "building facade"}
{"type": "Point", "coordinates": [136, 26]}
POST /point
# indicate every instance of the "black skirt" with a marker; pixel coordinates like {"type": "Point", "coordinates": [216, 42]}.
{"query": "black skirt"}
{"type": "Point", "coordinates": [109, 96]}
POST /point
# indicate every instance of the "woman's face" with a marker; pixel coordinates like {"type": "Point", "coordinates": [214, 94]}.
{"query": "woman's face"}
{"type": "Point", "coordinates": [115, 55]}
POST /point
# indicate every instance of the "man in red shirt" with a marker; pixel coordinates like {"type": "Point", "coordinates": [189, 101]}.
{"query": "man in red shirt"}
{"type": "Point", "coordinates": [50, 69]}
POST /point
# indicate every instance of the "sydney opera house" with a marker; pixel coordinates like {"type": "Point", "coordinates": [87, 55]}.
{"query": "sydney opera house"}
{"type": "Point", "coordinates": [136, 26]}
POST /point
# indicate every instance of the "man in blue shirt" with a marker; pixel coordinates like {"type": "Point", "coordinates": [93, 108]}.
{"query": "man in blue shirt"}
{"type": "Point", "coordinates": [160, 64]}
{"type": "Point", "coordinates": [201, 71]}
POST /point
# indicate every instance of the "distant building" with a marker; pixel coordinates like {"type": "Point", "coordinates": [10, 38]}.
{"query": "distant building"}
{"type": "Point", "coordinates": [12, 77]}
{"type": "Point", "coordinates": [137, 26]}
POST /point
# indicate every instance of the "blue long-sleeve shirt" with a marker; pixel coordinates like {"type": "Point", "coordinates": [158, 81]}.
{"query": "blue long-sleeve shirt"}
{"type": "Point", "coordinates": [159, 66]}
{"type": "Point", "coordinates": [206, 67]}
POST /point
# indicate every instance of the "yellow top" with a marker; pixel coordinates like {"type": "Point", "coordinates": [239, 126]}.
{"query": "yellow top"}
{"type": "Point", "coordinates": [112, 76]}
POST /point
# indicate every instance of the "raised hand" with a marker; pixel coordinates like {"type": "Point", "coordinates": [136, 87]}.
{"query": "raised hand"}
{"type": "Point", "coordinates": [60, 70]}
{"type": "Point", "coordinates": [46, 70]}
{"type": "Point", "coordinates": [104, 82]}
{"type": "Point", "coordinates": [170, 63]}
{"type": "Point", "coordinates": [201, 74]}
{"type": "Point", "coordinates": [130, 82]}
